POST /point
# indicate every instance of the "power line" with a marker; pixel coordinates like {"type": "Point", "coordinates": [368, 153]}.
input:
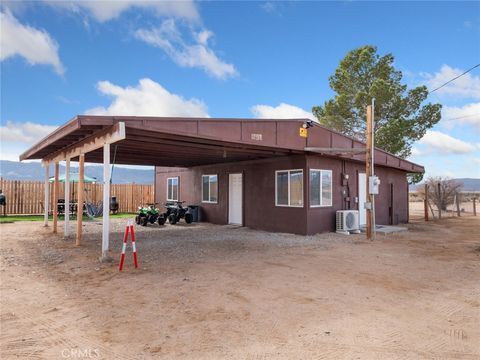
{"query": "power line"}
{"type": "Point", "coordinates": [455, 78]}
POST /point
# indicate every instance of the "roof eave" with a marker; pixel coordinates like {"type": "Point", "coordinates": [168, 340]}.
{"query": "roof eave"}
{"type": "Point", "coordinates": [73, 124]}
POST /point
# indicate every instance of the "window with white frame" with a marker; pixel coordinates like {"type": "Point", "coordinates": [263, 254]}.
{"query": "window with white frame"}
{"type": "Point", "coordinates": [172, 189]}
{"type": "Point", "coordinates": [210, 188]}
{"type": "Point", "coordinates": [320, 188]}
{"type": "Point", "coordinates": [289, 188]}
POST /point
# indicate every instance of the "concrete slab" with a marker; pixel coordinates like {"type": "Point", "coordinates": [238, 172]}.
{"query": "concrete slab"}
{"type": "Point", "coordinates": [386, 229]}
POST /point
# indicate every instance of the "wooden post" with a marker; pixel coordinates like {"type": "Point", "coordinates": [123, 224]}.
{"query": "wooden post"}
{"type": "Point", "coordinates": [47, 195]}
{"type": "Point", "coordinates": [474, 206]}
{"type": "Point", "coordinates": [66, 223]}
{"type": "Point", "coordinates": [439, 198]}
{"type": "Point", "coordinates": [369, 170]}
{"type": "Point", "coordinates": [55, 198]}
{"type": "Point", "coordinates": [106, 201]}
{"type": "Point", "coordinates": [457, 201]}
{"type": "Point", "coordinates": [80, 190]}
{"type": "Point", "coordinates": [425, 203]}
{"type": "Point", "coordinates": [432, 211]}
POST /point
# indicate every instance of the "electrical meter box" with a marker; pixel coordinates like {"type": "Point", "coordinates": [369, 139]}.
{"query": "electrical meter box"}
{"type": "Point", "coordinates": [373, 185]}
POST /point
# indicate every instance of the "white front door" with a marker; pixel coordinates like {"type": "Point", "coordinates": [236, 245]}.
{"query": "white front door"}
{"type": "Point", "coordinates": [362, 198]}
{"type": "Point", "coordinates": [235, 199]}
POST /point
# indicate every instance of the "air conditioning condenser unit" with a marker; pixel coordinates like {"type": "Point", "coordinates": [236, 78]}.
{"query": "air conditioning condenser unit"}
{"type": "Point", "coordinates": [348, 222]}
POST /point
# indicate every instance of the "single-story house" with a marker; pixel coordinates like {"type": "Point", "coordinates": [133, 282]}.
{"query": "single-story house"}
{"type": "Point", "coordinates": [270, 174]}
{"type": "Point", "coordinates": [295, 193]}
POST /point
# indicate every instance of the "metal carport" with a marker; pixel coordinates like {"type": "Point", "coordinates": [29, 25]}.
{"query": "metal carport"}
{"type": "Point", "coordinates": [183, 142]}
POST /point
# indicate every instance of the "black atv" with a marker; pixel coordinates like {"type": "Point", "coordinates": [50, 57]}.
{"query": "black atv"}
{"type": "Point", "coordinates": [149, 215]}
{"type": "Point", "coordinates": [175, 212]}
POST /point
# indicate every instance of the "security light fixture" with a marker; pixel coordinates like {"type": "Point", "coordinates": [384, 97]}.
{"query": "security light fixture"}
{"type": "Point", "coordinates": [307, 124]}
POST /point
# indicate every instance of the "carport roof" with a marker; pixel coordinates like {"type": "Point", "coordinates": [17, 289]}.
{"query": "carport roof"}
{"type": "Point", "coordinates": [187, 142]}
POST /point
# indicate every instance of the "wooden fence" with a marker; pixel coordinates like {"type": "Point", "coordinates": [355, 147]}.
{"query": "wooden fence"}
{"type": "Point", "coordinates": [27, 197]}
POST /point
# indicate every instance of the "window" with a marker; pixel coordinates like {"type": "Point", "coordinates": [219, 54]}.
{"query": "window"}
{"type": "Point", "coordinates": [320, 188]}
{"type": "Point", "coordinates": [172, 189]}
{"type": "Point", "coordinates": [210, 188]}
{"type": "Point", "coordinates": [289, 188]}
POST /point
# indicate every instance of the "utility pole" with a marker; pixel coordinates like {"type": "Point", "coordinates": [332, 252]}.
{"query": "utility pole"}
{"type": "Point", "coordinates": [369, 159]}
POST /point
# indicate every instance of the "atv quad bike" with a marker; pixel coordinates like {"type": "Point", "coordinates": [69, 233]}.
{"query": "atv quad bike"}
{"type": "Point", "coordinates": [175, 212]}
{"type": "Point", "coordinates": [149, 214]}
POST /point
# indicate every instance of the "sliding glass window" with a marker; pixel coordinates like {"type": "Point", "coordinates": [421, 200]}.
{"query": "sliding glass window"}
{"type": "Point", "coordinates": [289, 188]}
{"type": "Point", "coordinates": [320, 188]}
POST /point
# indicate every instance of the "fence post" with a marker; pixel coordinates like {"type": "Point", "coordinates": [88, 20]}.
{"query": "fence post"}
{"type": "Point", "coordinates": [474, 206]}
{"type": "Point", "coordinates": [440, 202]}
{"type": "Point", "coordinates": [425, 203]}
{"type": "Point", "coordinates": [457, 200]}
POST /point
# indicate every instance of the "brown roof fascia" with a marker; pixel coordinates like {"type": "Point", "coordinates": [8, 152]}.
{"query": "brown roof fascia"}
{"type": "Point", "coordinates": [421, 168]}
{"type": "Point", "coordinates": [88, 120]}
{"type": "Point", "coordinates": [60, 132]}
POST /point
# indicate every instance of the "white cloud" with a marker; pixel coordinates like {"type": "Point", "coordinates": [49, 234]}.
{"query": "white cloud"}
{"type": "Point", "coordinates": [273, 7]}
{"type": "Point", "coordinates": [104, 10]}
{"type": "Point", "coordinates": [468, 114]}
{"type": "Point", "coordinates": [147, 99]}
{"type": "Point", "coordinates": [441, 143]}
{"type": "Point", "coordinates": [197, 54]}
{"type": "Point", "coordinates": [203, 36]}
{"type": "Point", "coordinates": [24, 132]}
{"type": "Point", "coordinates": [467, 86]}
{"type": "Point", "coordinates": [416, 152]}
{"type": "Point", "coordinates": [282, 111]}
{"type": "Point", "coordinates": [34, 45]}
{"type": "Point", "coordinates": [17, 137]}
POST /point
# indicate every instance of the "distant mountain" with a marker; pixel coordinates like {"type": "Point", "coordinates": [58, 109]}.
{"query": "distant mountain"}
{"type": "Point", "coordinates": [33, 171]}
{"type": "Point", "coordinates": [469, 184]}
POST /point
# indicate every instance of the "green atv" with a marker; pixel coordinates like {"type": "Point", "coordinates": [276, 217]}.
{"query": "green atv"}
{"type": "Point", "coordinates": [149, 214]}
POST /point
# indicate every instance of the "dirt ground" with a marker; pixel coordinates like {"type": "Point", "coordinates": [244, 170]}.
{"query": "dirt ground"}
{"type": "Point", "coordinates": [220, 292]}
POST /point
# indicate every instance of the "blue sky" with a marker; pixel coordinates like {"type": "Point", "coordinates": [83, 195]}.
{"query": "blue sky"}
{"type": "Point", "coordinates": [231, 59]}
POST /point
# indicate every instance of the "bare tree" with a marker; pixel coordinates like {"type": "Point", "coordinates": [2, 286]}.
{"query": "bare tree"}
{"type": "Point", "coordinates": [441, 191]}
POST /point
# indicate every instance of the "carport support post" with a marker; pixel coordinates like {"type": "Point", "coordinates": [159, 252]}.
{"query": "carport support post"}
{"type": "Point", "coordinates": [81, 166]}
{"type": "Point", "coordinates": [55, 197]}
{"type": "Point", "coordinates": [66, 223]}
{"type": "Point", "coordinates": [47, 194]}
{"type": "Point", "coordinates": [106, 201]}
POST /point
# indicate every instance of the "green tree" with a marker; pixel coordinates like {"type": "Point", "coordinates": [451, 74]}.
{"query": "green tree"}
{"type": "Point", "coordinates": [401, 117]}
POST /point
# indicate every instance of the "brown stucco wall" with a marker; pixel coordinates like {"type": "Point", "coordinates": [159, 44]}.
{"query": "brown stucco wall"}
{"type": "Point", "coordinates": [388, 177]}
{"type": "Point", "coordinates": [184, 188]}
{"type": "Point", "coordinates": [259, 208]}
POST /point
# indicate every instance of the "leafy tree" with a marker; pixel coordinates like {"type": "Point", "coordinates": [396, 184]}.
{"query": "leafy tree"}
{"type": "Point", "coordinates": [400, 116]}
